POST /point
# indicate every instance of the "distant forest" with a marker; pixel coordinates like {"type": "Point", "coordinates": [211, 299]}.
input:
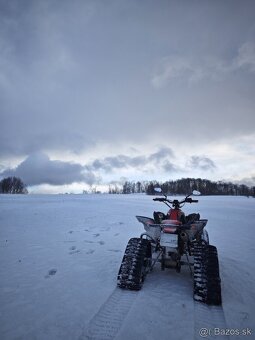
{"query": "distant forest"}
{"type": "Point", "coordinates": [184, 186]}
{"type": "Point", "coordinates": [12, 185]}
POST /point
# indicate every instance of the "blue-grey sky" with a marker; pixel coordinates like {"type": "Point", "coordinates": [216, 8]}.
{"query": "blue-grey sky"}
{"type": "Point", "coordinates": [94, 91]}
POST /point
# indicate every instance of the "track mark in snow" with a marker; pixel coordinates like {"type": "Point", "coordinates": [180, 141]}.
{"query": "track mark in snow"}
{"type": "Point", "coordinates": [96, 235]}
{"type": "Point", "coordinates": [90, 251]}
{"type": "Point", "coordinates": [209, 318]}
{"type": "Point", "coordinates": [51, 272]}
{"type": "Point", "coordinates": [74, 252]}
{"type": "Point", "coordinates": [107, 322]}
{"type": "Point", "coordinates": [115, 250]}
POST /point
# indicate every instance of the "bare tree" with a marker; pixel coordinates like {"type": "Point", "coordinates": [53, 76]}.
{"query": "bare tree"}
{"type": "Point", "coordinates": [12, 185]}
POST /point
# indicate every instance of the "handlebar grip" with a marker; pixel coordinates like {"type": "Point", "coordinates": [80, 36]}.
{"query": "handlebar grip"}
{"type": "Point", "coordinates": [160, 199]}
{"type": "Point", "coordinates": [190, 200]}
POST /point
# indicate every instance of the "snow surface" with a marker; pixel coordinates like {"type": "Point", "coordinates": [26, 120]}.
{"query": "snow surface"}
{"type": "Point", "coordinates": [60, 256]}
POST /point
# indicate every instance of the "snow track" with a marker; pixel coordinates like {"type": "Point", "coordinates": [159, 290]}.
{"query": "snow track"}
{"type": "Point", "coordinates": [207, 282]}
{"type": "Point", "coordinates": [135, 261]}
{"type": "Point", "coordinates": [108, 320]}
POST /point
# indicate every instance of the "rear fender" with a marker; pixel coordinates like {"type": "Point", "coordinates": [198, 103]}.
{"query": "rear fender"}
{"type": "Point", "coordinates": [152, 229]}
{"type": "Point", "coordinates": [145, 220]}
{"type": "Point", "coordinates": [196, 228]}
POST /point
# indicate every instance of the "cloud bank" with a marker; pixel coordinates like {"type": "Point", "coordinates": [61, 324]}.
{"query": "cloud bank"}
{"type": "Point", "coordinates": [155, 159]}
{"type": "Point", "coordinates": [38, 169]}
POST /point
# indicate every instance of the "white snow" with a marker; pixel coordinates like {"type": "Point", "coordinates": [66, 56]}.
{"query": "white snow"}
{"type": "Point", "coordinates": [60, 256]}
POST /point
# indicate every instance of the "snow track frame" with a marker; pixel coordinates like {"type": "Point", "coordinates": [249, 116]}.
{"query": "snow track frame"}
{"type": "Point", "coordinates": [207, 282]}
{"type": "Point", "coordinates": [135, 264]}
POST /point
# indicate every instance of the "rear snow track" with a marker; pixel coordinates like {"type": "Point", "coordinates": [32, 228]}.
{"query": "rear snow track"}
{"type": "Point", "coordinates": [207, 319]}
{"type": "Point", "coordinates": [114, 314]}
{"type": "Point", "coordinates": [107, 322]}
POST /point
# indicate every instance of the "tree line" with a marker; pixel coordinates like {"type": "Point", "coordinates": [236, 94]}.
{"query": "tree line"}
{"type": "Point", "coordinates": [12, 185]}
{"type": "Point", "coordinates": [184, 186]}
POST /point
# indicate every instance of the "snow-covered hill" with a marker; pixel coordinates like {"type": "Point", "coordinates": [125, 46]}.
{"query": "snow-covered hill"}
{"type": "Point", "coordinates": [60, 255]}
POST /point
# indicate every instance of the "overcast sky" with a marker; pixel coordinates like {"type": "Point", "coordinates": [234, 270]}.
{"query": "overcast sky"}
{"type": "Point", "coordinates": [97, 91]}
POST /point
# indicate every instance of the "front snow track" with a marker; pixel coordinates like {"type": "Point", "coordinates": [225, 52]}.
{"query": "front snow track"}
{"type": "Point", "coordinates": [135, 264]}
{"type": "Point", "coordinates": [207, 283]}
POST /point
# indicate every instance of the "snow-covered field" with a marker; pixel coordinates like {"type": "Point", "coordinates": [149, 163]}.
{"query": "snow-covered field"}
{"type": "Point", "coordinates": [60, 255]}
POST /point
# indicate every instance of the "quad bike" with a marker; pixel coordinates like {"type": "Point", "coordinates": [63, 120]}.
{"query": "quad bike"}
{"type": "Point", "coordinates": [173, 240]}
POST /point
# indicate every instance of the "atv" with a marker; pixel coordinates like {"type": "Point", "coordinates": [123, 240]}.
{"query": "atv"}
{"type": "Point", "coordinates": [173, 240]}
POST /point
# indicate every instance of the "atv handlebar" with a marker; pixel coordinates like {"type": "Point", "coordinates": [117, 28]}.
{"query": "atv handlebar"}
{"type": "Point", "coordinates": [175, 202]}
{"type": "Point", "coordinates": [186, 200]}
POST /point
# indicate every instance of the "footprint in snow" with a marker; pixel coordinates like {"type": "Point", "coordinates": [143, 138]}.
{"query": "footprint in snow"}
{"type": "Point", "coordinates": [101, 243]}
{"type": "Point", "coordinates": [91, 251]}
{"type": "Point", "coordinates": [70, 232]}
{"type": "Point", "coordinates": [51, 272]}
{"type": "Point", "coordinates": [116, 234]}
{"type": "Point", "coordinates": [96, 235]}
{"type": "Point", "coordinates": [74, 251]}
{"type": "Point", "coordinates": [115, 250]}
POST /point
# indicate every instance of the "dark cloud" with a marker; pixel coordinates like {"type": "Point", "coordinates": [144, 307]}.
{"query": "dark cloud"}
{"type": "Point", "coordinates": [201, 162]}
{"type": "Point", "coordinates": [249, 181]}
{"type": "Point", "coordinates": [117, 162]}
{"type": "Point", "coordinates": [39, 169]}
{"type": "Point", "coordinates": [72, 74]}
{"type": "Point", "coordinates": [170, 167]}
{"type": "Point", "coordinates": [162, 153]}
{"type": "Point", "coordinates": [109, 164]}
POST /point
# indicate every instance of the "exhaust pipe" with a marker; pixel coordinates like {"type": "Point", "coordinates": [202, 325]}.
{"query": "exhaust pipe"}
{"type": "Point", "coordinates": [184, 236]}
